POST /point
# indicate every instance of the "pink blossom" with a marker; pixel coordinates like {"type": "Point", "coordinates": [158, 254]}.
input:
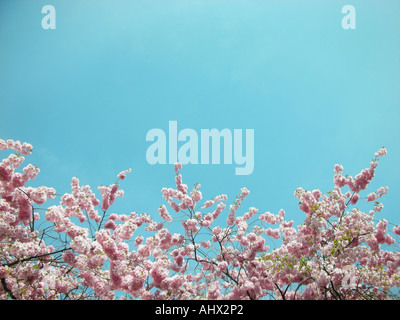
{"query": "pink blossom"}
{"type": "Point", "coordinates": [250, 214]}
{"type": "Point", "coordinates": [361, 180]}
{"type": "Point", "coordinates": [354, 198]}
{"type": "Point", "coordinates": [81, 254]}
{"type": "Point", "coordinates": [110, 225]}
{"type": "Point", "coordinates": [317, 194]}
{"type": "Point", "coordinates": [123, 174]}
{"type": "Point", "coordinates": [338, 168]}
{"type": "Point", "coordinates": [109, 194]}
{"type": "Point", "coordinates": [218, 210]}
{"type": "Point", "coordinates": [69, 257]}
{"type": "Point", "coordinates": [381, 152]}
{"type": "Point", "coordinates": [274, 233]}
{"type": "Point", "coordinates": [376, 195]}
{"type": "Point", "coordinates": [213, 291]}
{"type": "Point", "coordinates": [158, 273]}
{"type": "Point", "coordinates": [24, 148]}
{"type": "Point", "coordinates": [339, 181]}
{"type": "Point", "coordinates": [270, 218]}
{"type": "Point", "coordinates": [371, 197]}
{"type": "Point", "coordinates": [164, 213]}
{"type": "Point", "coordinates": [25, 209]}
{"type": "Point", "coordinates": [190, 225]}
{"type": "Point", "coordinates": [209, 203]}
{"type": "Point", "coordinates": [138, 240]}
{"type": "Point", "coordinates": [179, 185]}
{"type": "Point", "coordinates": [125, 231]}
{"type": "Point", "coordinates": [178, 166]}
{"type": "Point", "coordinates": [207, 244]}
{"type": "Point", "coordinates": [80, 244]}
{"type": "Point", "coordinates": [5, 174]}
{"type": "Point", "coordinates": [216, 230]}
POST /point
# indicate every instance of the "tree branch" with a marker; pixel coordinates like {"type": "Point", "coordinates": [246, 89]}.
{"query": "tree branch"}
{"type": "Point", "coordinates": [9, 292]}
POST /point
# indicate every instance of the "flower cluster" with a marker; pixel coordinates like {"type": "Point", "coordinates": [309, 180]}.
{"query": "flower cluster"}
{"type": "Point", "coordinates": [79, 250]}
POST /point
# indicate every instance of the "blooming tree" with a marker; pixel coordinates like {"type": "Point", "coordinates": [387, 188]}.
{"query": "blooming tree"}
{"type": "Point", "coordinates": [79, 250]}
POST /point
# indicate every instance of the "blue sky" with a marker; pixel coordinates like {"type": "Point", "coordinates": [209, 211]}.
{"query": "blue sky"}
{"type": "Point", "coordinates": [86, 94]}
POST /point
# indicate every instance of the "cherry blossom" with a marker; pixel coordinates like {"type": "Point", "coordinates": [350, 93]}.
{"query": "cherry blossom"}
{"type": "Point", "coordinates": [79, 249]}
